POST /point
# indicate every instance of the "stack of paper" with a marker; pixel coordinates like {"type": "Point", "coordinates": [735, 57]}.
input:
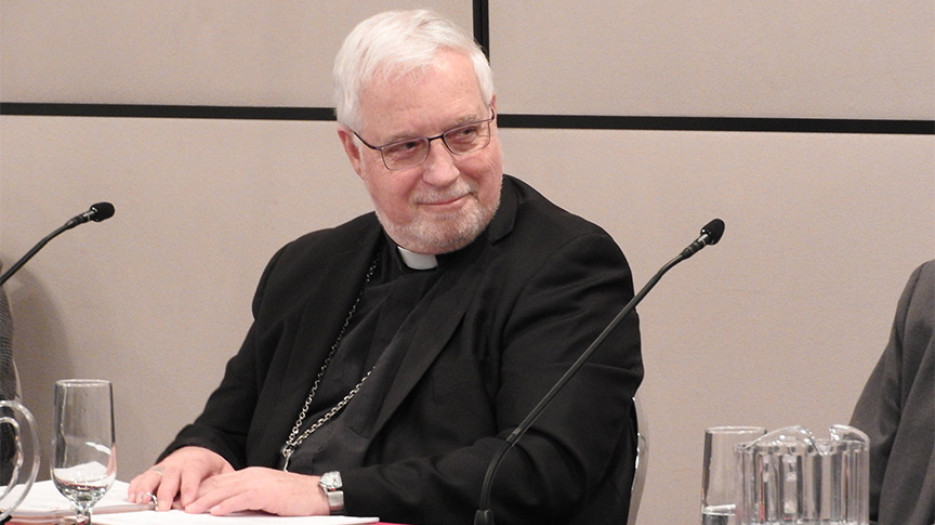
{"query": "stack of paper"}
{"type": "Point", "coordinates": [45, 505]}
{"type": "Point", "coordinates": [178, 517]}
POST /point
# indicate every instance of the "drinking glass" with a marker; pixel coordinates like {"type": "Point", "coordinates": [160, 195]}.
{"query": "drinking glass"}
{"type": "Point", "coordinates": [720, 474]}
{"type": "Point", "coordinates": [84, 460]}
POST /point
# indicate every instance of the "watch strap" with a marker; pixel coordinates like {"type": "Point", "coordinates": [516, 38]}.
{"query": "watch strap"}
{"type": "Point", "coordinates": [332, 486]}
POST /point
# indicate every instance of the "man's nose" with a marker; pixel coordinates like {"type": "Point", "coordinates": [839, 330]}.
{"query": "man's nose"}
{"type": "Point", "coordinates": [439, 168]}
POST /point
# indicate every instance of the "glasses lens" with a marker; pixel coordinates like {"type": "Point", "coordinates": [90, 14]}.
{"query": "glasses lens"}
{"type": "Point", "coordinates": [405, 154]}
{"type": "Point", "coordinates": [468, 138]}
{"type": "Point", "coordinates": [459, 141]}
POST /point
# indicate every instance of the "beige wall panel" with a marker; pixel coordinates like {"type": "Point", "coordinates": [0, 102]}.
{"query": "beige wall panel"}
{"type": "Point", "coordinates": [191, 52]}
{"type": "Point", "coordinates": [825, 59]}
{"type": "Point", "coordinates": [778, 324]}
{"type": "Point", "coordinates": [781, 322]}
{"type": "Point", "coordinates": [817, 59]}
{"type": "Point", "coordinates": [156, 298]}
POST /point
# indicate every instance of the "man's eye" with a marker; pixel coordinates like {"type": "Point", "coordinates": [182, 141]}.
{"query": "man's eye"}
{"type": "Point", "coordinates": [465, 134]}
{"type": "Point", "coordinates": [403, 148]}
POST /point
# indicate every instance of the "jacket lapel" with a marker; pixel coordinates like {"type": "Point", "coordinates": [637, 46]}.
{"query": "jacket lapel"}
{"type": "Point", "coordinates": [437, 317]}
{"type": "Point", "coordinates": [313, 332]}
{"type": "Point", "coordinates": [441, 311]}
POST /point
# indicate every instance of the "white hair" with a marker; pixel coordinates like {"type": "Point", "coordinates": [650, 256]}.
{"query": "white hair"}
{"type": "Point", "coordinates": [396, 43]}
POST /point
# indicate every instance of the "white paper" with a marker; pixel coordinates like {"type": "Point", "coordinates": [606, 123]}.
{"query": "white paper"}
{"type": "Point", "coordinates": [178, 517]}
{"type": "Point", "coordinates": [44, 502]}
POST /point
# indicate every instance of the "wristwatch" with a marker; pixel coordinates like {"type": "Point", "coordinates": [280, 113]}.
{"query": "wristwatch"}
{"type": "Point", "coordinates": [330, 483]}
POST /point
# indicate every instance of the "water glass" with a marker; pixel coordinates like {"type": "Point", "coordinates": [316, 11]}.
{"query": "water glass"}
{"type": "Point", "coordinates": [84, 456]}
{"type": "Point", "coordinates": [719, 472]}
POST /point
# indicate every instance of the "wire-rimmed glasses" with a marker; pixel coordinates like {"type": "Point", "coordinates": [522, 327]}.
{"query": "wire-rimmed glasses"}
{"type": "Point", "coordinates": [461, 140]}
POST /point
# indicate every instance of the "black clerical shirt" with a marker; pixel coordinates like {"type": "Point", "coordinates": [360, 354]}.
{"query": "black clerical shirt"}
{"type": "Point", "coordinates": [386, 301]}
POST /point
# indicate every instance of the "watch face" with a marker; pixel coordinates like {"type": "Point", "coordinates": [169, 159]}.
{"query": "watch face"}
{"type": "Point", "coordinates": [331, 480]}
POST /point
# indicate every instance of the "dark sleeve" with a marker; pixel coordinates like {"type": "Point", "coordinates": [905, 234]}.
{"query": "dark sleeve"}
{"type": "Point", "coordinates": [7, 387]}
{"type": "Point", "coordinates": [877, 413]}
{"type": "Point", "coordinates": [880, 407]}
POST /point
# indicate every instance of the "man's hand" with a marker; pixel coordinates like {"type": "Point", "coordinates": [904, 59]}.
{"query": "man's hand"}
{"type": "Point", "coordinates": [263, 489]}
{"type": "Point", "coordinates": [176, 480]}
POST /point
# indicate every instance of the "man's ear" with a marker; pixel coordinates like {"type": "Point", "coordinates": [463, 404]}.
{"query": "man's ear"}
{"type": "Point", "coordinates": [350, 146]}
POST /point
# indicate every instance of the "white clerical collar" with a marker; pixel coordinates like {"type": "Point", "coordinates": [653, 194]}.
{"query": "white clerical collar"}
{"type": "Point", "coordinates": [417, 261]}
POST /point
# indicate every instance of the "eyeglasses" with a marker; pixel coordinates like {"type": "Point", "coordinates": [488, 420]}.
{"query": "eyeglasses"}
{"type": "Point", "coordinates": [464, 139]}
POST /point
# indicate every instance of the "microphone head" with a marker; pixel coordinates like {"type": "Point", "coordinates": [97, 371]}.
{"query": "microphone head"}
{"type": "Point", "coordinates": [105, 210]}
{"type": "Point", "coordinates": [714, 230]}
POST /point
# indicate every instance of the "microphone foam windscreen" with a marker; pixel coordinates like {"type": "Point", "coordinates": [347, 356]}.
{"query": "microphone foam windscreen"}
{"type": "Point", "coordinates": [102, 211]}
{"type": "Point", "coordinates": [714, 229]}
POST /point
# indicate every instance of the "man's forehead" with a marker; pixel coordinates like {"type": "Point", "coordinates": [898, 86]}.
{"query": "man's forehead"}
{"type": "Point", "coordinates": [395, 111]}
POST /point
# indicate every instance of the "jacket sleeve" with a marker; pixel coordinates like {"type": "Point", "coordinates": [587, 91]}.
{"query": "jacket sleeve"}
{"type": "Point", "coordinates": [896, 409]}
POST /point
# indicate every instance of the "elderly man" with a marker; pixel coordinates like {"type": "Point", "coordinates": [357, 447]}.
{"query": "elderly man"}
{"type": "Point", "coordinates": [390, 356]}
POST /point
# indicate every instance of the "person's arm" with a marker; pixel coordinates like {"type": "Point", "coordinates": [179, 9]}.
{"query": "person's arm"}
{"type": "Point", "coordinates": [895, 407]}
{"type": "Point", "coordinates": [877, 414]}
{"type": "Point", "coordinates": [564, 305]}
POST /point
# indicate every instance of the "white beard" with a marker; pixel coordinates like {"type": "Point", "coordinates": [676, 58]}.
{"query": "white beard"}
{"type": "Point", "coordinates": [449, 233]}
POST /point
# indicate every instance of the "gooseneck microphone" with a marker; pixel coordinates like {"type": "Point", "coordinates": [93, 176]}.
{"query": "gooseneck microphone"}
{"type": "Point", "coordinates": [710, 234]}
{"type": "Point", "coordinates": [97, 213]}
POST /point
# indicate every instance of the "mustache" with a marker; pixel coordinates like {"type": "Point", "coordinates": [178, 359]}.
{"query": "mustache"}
{"type": "Point", "coordinates": [458, 189]}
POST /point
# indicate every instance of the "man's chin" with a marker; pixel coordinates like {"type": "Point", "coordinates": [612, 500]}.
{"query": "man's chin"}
{"type": "Point", "coordinates": [435, 237]}
{"type": "Point", "coordinates": [437, 244]}
{"type": "Point", "coordinates": [438, 233]}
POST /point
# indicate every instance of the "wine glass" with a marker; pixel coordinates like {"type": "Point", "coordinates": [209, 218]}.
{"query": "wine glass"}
{"type": "Point", "coordinates": [84, 454]}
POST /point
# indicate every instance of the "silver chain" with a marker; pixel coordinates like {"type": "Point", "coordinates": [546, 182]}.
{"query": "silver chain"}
{"type": "Point", "coordinates": [295, 439]}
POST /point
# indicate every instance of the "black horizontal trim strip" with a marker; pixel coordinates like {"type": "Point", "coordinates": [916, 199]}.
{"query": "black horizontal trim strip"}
{"type": "Point", "coordinates": [791, 125]}
{"type": "Point", "coordinates": [164, 111]}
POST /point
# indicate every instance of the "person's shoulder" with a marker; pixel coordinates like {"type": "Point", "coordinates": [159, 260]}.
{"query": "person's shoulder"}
{"type": "Point", "coordinates": [322, 247]}
{"type": "Point", "coordinates": [531, 230]}
{"type": "Point", "coordinates": [333, 239]}
{"type": "Point", "coordinates": [926, 272]}
{"type": "Point", "coordinates": [288, 272]}
{"type": "Point", "coordinates": [921, 284]}
{"type": "Point", "coordinates": [536, 214]}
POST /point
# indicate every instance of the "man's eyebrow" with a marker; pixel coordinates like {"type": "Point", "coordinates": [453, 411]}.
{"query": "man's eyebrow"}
{"type": "Point", "coordinates": [405, 137]}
